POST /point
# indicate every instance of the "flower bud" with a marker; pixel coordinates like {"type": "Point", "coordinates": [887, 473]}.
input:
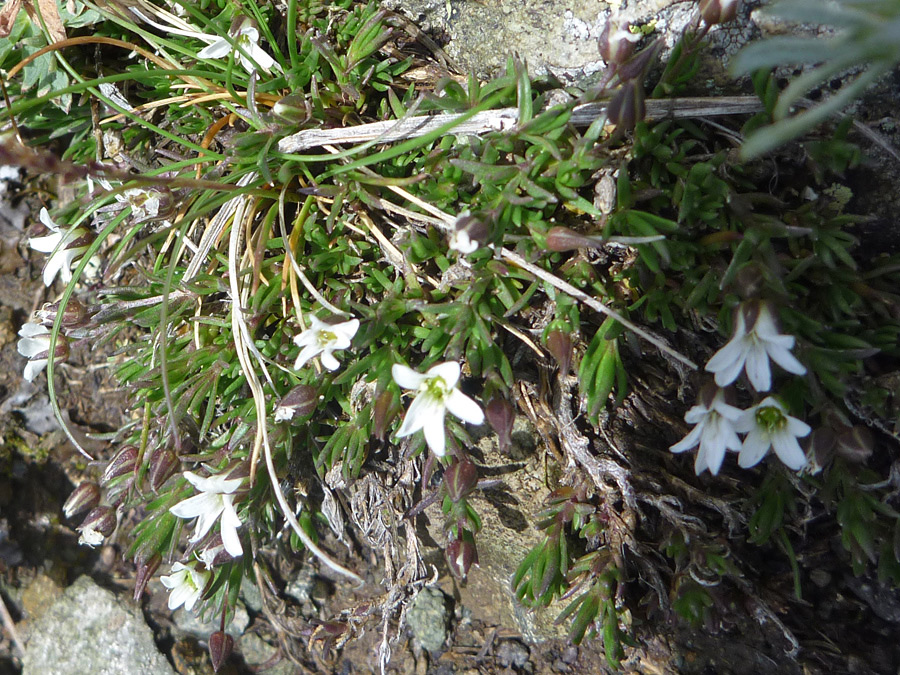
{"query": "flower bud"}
{"type": "Point", "coordinates": [386, 408]}
{"type": "Point", "coordinates": [298, 402]}
{"type": "Point", "coordinates": [146, 568]}
{"type": "Point", "coordinates": [616, 43]}
{"type": "Point", "coordinates": [563, 239]}
{"type": "Point", "coordinates": [559, 344]}
{"type": "Point", "coordinates": [83, 498]}
{"type": "Point", "coordinates": [460, 479]}
{"type": "Point", "coordinates": [99, 524]}
{"type": "Point", "coordinates": [461, 555]}
{"type": "Point", "coordinates": [220, 646]}
{"type": "Point", "coordinates": [855, 444]}
{"type": "Point", "coordinates": [74, 316]}
{"type": "Point", "coordinates": [124, 462]}
{"type": "Point", "coordinates": [820, 448]}
{"type": "Point", "coordinates": [718, 11]}
{"type": "Point", "coordinates": [471, 231]}
{"type": "Point", "coordinates": [500, 415]}
{"type": "Point", "coordinates": [293, 109]}
{"type": "Point", "coordinates": [749, 281]}
{"type": "Point", "coordinates": [163, 465]}
{"type": "Point", "coordinates": [627, 108]}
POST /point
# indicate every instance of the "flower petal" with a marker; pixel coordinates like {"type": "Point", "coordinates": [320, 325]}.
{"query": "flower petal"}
{"type": "Point", "coordinates": [689, 441]}
{"type": "Point", "coordinates": [464, 407]}
{"type": "Point", "coordinates": [728, 362]}
{"type": "Point", "coordinates": [788, 450]}
{"type": "Point", "coordinates": [34, 368]}
{"type": "Point", "coordinates": [758, 369]}
{"type": "Point", "coordinates": [755, 447]}
{"type": "Point", "coordinates": [785, 359]}
{"type": "Point", "coordinates": [448, 371]}
{"type": "Point", "coordinates": [310, 351]}
{"type": "Point", "coordinates": [197, 505]}
{"type": "Point", "coordinates": [46, 244]}
{"type": "Point", "coordinates": [216, 50]}
{"type": "Point", "coordinates": [329, 361]}
{"type": "Point", "coordinates": [406, 377]}
{"type": "Point", "coordinates": [435, 435]}
{"type": "Point", "coordinates": [228, 526]}
{"type": "Point", "coordinates": [424, 411]}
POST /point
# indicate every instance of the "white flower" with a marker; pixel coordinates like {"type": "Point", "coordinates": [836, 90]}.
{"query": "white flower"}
{"type": "Point", "coordinates": [460, 241]}
{"type": "Point", "coordinates": [714, 431]}
{"type": "Point", "coordinates": [437, 393]}
{"type": "Point", "coordinates": [185, 584]}
{"type": "Point", "coordinates": [62, 246]}
{"type": "Point", "coordinates": [35, 342]}
{"type": "Point", "coordinates": [770, 427]}
{"type": "Point", "coordinates": [324, 338]}
{"type": "Point", "coordinates": [216, 499]}
{"type": "Point", "coordinates": [90, 537]}
{"type": "Point", "coordinates": [248, 40]}
{"type": "Point", "coordinates": [753, 348]}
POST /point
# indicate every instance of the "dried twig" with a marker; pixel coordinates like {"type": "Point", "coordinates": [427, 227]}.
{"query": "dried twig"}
{"type": "Point", "coordinates": [505, 119]}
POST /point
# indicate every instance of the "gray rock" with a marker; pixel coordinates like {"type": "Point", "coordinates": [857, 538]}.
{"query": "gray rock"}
{"type": "Point", "coordinates": [429, 618]}
{"type": "Point", "coordinates": [257, 651]}
{"type": "Point", "coordinates": [89, 631]}
{"type": "Point", "coordinates": [188, 622]}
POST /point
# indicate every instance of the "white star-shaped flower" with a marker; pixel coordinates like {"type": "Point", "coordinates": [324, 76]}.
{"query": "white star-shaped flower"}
{"type": "Point", "coordinates": [436, 394]}
{"type": "Point", "coordinates": [216, 499]}
{"type": "Point", "coordinates": [325, 339]}
{"type": "Point", "coordinates": [185, 584]}
{"type": "Point", "coordinates": [768, 426]}
{"type": "Point", "coordinates": [63, 247]}
{"type": "Point", "coordinates": [714, 430]}
{"type": "Point", "coordinates": [248, 40]}
{"type": "Point", "coordinates": [752, 348]}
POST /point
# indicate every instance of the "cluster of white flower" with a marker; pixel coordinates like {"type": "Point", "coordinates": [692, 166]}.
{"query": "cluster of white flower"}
{"type": "Point", "coordinates": [766, 425]}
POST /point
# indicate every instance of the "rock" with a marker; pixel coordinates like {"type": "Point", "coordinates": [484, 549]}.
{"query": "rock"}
{"type": "Point", "coordinates": [257, 651]}
{"type": "Point", "coordinates": [512, 653]}
{"type": "Point", "coordinates": [428, 619]}
{"type": "Point", "coordinates": [89, 630]}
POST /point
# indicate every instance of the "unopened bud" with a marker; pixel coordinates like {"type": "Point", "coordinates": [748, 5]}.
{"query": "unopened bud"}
{"type": "Point", "coordinates": [616, 43]}
{"type": "Point", "coordinates": [718, 11]}
{"type": "Point", "coordinates": [627, 108]}
{"type": "Point", "coordinates": [163, 465]}
{"type": "Point", "coordinates": [386, 408]}
{"type": "Point", "coordinates": [749, 281]}
{"type": "Point", "coordinates": [563, 239]}
{"type": "Point", "coordinates": [820, 448]}
{"type": "Point", "coordinates": [99, 524]}
{"type": "Point", "coordinates": [460, 479]}
{"type": "Point", "coordinates": [855, 444]}
{"type": "Point", "coordinates": [298, 402]}
{"type": "Point", "coordinates": [123, 463]}
{"type": "Point", "coordinates": [74, 315]}
{"type": "Point", "coordinates": [501, 415]}
{"type": "Point", "coordinates": [146, 568]}
{"type": "Point", "coordinates": [559, 344]}
{"type": "Point", "coordinates": [83, 498]}
{"type": "Point", "coordinates": [461, 555]}
{"type": "Point", "coordinates": [220, 646]}
{"type": "Point", "coordinates": [293, 109]}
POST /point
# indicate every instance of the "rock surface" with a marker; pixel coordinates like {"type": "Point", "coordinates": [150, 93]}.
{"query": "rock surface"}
{"type": "Point", "coordinates": [89, 631]}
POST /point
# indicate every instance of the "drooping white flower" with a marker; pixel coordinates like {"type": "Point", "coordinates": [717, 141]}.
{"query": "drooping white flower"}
{"type": "Point", "coordinates": [756, 339]}
{"type": "Point", "coordinates": [436, 394]}
{"type": "Point", "coordinates": [185, 584]}
{"type": "Point", "coordinates": [62, 245]}
{"type": "Point", "coordinates": [216, 499]}
{"type": "Point", "coordinates": [325, 339]}
{"type": "Point", "coordinates": [714, 431]}
{"type": "Point", "coordinates": [35, 346]}
{"type": "Point", "coordinates": [768, 426]}
{"type": "Point", "coordinates": [248, 40]}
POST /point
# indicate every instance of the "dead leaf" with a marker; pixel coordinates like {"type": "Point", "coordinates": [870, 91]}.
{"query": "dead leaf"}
{"type": "Point", "coordinates": [50, 15]}
{"type": "Point", "coordinates": [8, 16]}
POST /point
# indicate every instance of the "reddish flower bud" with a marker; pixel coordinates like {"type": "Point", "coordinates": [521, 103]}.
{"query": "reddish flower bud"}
{"type": "Point", "coordinates": [460, 479]}
{"type": "Point", "coordinates": [627, 108]}
{"type": "Point", "coordinates": [146, 568]}
{"type": "Point", "coordinates": [163, 465]}
{"type": "Point", "coordinates": [820, 447]}
{"type": "Point", "coordinates": [500, 415]}
{"type": "Point", "coordinates": [855, 444]}
{"type": "Point", "coordinates": [718, 11]}
{"type": "Point", "coordinates": [386, 408]}
{"type": "Point", "coordinates": [560, 346]}
{"type": "Point", "coordinates": [220, 646]}
{"type": "Point", "coordinates": [563, 239]}
{"type": "Point", "coordinates": [123, 463]}
{"type": "Point", "coordinates": [83, 498]}
{"type": "Point", "coordinates": [616, 43]}
{"type": "Point", "coordinates": [461, 555]}
{"type": "Point", "coordinates": [298, 402]}
{"type": "Point", "coordinates": [74, 316]}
